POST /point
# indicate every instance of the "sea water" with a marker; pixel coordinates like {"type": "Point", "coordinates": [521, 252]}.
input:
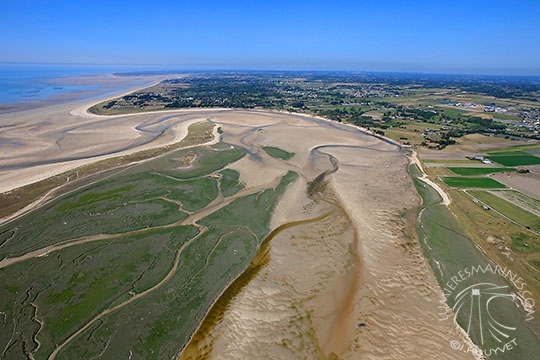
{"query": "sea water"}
{"type": "Point", "coordinates": [27, 83]}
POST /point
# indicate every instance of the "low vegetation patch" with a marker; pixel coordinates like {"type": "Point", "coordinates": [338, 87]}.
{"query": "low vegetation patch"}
{"type": "Point", "coordinates": [523, 201]}
{"type": "Point", "coordinates": [19, 198]}
{"type": "Point", "coordinates": [230, 182]}
{"type": "Point", "coordinates": [535, 263]}
{"type": "Point", "coordinates": [414, 170]}
{"type": "Point", "coordinates": [317, 185]}
{"type": "Point", "coordinates": [278, 153]}
{"type": "Point", "coordinates": [450, 250]}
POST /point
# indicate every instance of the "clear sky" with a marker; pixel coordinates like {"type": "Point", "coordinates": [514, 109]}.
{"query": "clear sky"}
{"type": "Point", "coordinates": [440, 36]}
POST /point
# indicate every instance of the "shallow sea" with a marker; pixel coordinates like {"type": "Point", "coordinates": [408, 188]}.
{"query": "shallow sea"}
{"type": "Point", "coordinates": [29, 83]}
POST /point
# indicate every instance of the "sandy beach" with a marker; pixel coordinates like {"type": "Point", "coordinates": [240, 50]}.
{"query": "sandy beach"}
{"type": "Point", "coordinates": [345, 275]}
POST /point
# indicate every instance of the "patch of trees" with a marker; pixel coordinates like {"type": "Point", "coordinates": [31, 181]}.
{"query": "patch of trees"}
{"type": "Point", "coordinates": [110, 104]}
{"type": "Point", "coordinates": [233, 92]}
{"type": "Point", "coordinates": [417, 114]}
{"type": "Point", "coordinates": [477, 124]}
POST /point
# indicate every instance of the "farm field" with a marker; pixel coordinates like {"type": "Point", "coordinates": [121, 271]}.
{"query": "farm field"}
{"type": "Point", "coordinates": [506, 191]}
{"type": "Point", "coordinates": [472, 182]}
{"type": "Point", "coordinates": [474, 171]}
{"type": "Point", "coordinates": [514, 212]}
{"type": "Point", "coordinates": [513, 158]}
{"type": "Point", "coordinates": [525, 202]}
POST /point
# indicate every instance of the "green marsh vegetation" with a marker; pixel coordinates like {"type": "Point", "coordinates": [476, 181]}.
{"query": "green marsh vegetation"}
{"type": "Point", "coordinates": [414, 171]}
{"type": "Point", "coordinates": [230, 182]}
{"type": "Point", "coordinates": [18, 198]}
{"type": "Point", "coordinates": [278, 153]}
{"type": "Point", "coordinates": [132, 277]}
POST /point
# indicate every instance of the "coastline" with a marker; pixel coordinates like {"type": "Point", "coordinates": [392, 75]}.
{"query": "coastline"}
{"type": "Point", "coordinates": [80, 88]}
{"type": "Point", "coordinates": [54, 121]}
{"type": "Point", "coordinates": [276, 133]}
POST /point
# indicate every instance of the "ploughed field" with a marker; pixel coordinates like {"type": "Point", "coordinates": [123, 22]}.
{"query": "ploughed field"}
{"type": "Point", "coordinates": [97, 271]}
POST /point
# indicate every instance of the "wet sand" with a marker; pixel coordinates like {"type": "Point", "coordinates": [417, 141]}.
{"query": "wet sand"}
{"type": "Point", "coordinates": [344, 275]}
{"type": "Point", "coordinates": [354, 284]}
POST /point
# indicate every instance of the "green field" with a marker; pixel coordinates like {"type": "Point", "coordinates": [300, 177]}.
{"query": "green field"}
{"type": "Point", "coordinates": [278, 153]}
{"type": "Point", "coordinates": [130, 276]}
{"type": "Point", "coordinates": [469, 171]}
{"type": "Point", "coordinates": [472, 182]}
{"type": "Point", "coordinates": [510, 210]}
{"type": "Point", "coordinates": [513, 158]}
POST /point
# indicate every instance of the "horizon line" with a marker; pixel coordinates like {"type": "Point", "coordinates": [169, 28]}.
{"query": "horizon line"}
{"type": "Point", "coordinates": [215, 68]}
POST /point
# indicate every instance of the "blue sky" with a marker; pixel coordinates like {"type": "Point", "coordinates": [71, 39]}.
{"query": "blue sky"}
{"type": "Point", "coordinates": [486, 37]}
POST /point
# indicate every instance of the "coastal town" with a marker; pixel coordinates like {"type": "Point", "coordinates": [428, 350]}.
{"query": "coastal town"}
{"type": "Point", "coordinates": [429, 113]}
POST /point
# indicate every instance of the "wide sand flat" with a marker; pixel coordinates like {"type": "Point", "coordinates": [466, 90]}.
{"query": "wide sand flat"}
{"type": "Point", "coordinates": [354, 282]}
{"type": "Point", "coordinates": [344, 274]}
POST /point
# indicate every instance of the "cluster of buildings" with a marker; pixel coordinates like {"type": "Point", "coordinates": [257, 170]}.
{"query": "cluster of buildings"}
{"type": "Point", "coordinates": [530, 115]}
{"type": "Point", "coordinates": [367, 91]}
{"type": "Point", "coordinates": [480, 158]}
{"type": "Point", "coordinates": [531, 119]}
{"type": "Point", "coordinates": [494, 108]}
